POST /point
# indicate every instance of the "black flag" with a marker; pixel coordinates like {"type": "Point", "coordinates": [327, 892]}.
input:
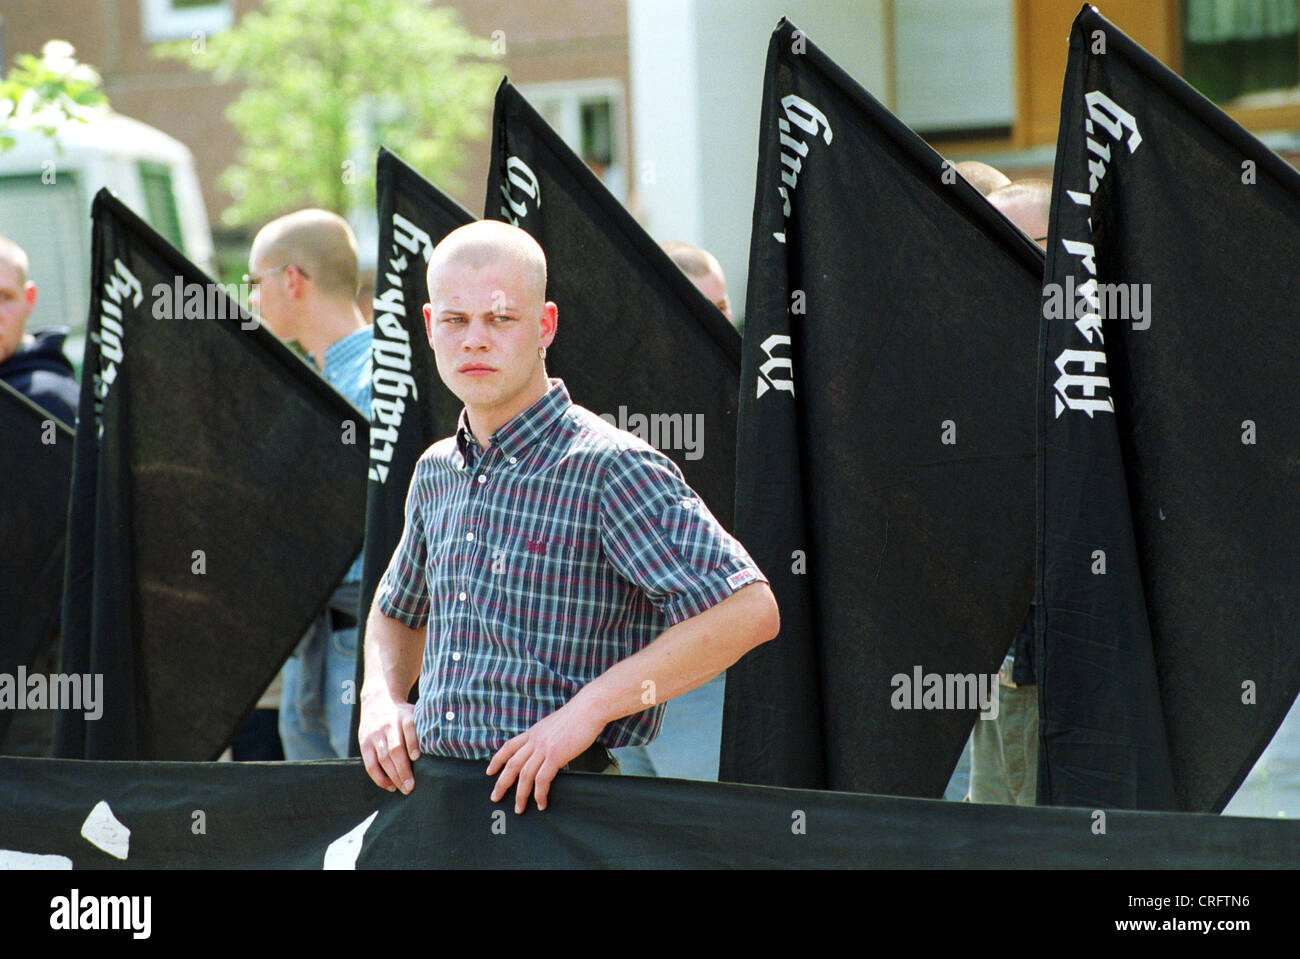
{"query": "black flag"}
{"type": "Point", "coordinates": [885, 462]}
{"type": "Point", "coordinates": [1170, 513]}
{"type": "Point", "coordinates": [411, 409]}
{"type": "Point", "coordinates": [309, 815]}
{"type": "Point", "coordinates": [217, 500]}
{"type": "Point", "coordinates": [637, 344]}
{"type": "Point", "coordinates": [36, 450]}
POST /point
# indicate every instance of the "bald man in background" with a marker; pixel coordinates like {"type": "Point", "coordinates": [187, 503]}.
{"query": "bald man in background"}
{"type": "Point", "coordinates": [1027, 204]}
{"type": "Point", "coordinates": [690, 741]}
{"type": "Point", "coordinates": [704, 270]}
{"type": "Point", "coordinates": [33, 364]}
{"type": "Point", "coordinates": [1004, 750]}
{"type": "Point", "coordinates": [1006, 745]}
{"type": "Point", "coordinates": [303, 273]}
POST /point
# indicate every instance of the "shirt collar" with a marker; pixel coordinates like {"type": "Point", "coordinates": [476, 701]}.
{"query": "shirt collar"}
{"type": "Point", "coordinates": [528, 427]}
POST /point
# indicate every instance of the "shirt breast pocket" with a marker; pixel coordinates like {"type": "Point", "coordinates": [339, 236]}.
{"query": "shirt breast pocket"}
{"type": "Point", "coordinates": [538, 587]}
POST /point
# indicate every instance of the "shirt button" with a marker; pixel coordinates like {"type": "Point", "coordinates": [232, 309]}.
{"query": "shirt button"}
{"type": "Point", "coordinates": [482, 478]}
{"type": "Point", "coordinates": [513, 461]}
{"type": "Point", "coordinates": [455, 657]}
{"type": "Point", "coordinates": [463, 596]}
{"type": "Point", "coordinates": [469, 537]}
{"type": "Point", "coordinates": [450, 715]}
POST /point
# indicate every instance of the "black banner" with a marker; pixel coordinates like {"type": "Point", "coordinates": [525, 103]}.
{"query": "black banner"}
{"type": "Point", "coordinates": [637, 344]}
{"type": "Point", "coordinates": [1170, 513]}
{"type": "Point", "coordinates": [36, 450]}
{"type": "Point", "coordinates": [328, 814]}
{"type": "Point", "coordinates": [411, 409]}
{"type": "Point", "coordinates": [216, 502]}
{"type": "Point", "coordinates": [886, 445]}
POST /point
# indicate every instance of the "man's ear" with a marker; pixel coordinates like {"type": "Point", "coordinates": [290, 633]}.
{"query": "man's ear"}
{"type": "Point", "coordinates": [296, 279]}
{"type": "Point", "coordinates": [29, 294]}
{"type": "Point", "coordinates": [428, 323]}
{"type": "Point", "coordinates": [550, 322]}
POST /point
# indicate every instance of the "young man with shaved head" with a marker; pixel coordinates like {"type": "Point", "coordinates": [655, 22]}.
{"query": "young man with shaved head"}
{"type": "Point", "coordinates": [303, 273]}
{"type": "Point", "coordinates": [33, 364]}
{"type": "Point", "coordinates": [557, 580]}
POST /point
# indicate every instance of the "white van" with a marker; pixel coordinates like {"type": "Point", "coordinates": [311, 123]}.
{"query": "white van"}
{"type": "Point", "coordinates": [46, 189]}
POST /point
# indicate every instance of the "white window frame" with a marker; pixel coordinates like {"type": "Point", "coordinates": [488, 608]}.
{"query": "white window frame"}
{"type": "Point", "coordinates": [163, 21]}
{"type": "Point", "coordinates": [570, 93]}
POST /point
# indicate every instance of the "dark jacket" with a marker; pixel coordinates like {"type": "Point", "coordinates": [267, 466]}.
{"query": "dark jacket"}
{"type": "Point", "coordinates": [41, 372]}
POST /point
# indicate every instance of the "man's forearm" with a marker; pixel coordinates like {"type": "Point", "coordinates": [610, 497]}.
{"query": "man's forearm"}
{"type": "Point", "coordinates": [393, 653]}
{"type": "Point", "coordinates": [681, 658]}
{"type": "Point", "coordinates": [684, 656]}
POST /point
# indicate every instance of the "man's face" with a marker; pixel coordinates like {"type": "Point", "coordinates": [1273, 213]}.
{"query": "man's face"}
{"type": "Point", "coordinates": [715, 288]}
{"type": "Point", "coordinates": [16, 301]}
{"type": "Point", "coordinates": [268, 294]}
{"type": "Point", "coordinates": [485, 325]}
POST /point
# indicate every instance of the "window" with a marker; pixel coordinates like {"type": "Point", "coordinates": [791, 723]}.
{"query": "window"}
{"type": "Point", "coordinates": [176, 19]}
{"type": "Point", "coordinates": [588, 116]}
{"type": "Point", "coordinates": [1240, 51]}
{"type": "Point", "coordinates": [49, 222]}
{"type": "Point", "coordinates": [954, 67]}
{"type": "Point", "coordinates": [160, 202]}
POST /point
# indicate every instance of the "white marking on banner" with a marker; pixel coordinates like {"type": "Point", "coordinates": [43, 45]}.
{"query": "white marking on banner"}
{"type": "Point", "coordinates": [342, 852]}
{"type": "Point", "coordinates": [102, 830]}
{"type": "Point", "coordinates": [13, 859]}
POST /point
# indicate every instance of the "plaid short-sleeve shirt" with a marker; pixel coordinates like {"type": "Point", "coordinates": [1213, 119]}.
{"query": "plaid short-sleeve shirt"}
{"type": "Point", "coordinates": [537, 564]}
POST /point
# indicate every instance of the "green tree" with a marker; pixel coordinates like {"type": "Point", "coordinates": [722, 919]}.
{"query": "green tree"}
{"type": "Point", "coordinates": [321, 75]}
{"type": "Point", "coordinates": [42, 93]}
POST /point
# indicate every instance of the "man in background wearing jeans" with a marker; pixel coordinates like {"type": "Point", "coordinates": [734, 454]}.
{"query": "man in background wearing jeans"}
{"type": "Point", "coordinates": [303, 273]}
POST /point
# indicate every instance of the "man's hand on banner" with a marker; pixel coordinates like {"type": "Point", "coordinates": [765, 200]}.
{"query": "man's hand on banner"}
{"type": "Point", "coordinates": [388, 741]}
{"type": "Point", "coordinates": [539, 752]}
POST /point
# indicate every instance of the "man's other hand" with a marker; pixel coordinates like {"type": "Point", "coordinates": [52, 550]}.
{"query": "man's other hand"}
{"type": "Point", "coordinates": [388, 742]}
{"type": "Point", "coordinates": [539, 752]}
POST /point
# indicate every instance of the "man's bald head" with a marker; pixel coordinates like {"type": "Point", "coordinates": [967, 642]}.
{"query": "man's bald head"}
{"type": "Point", "coordinates": [13, 256]}
{"type": "Point", "coordinates": [17, 297]}
{"type": "Point", "coordinates": [488, 321]}
{"type": "Point", "coordinates": [982, 177]}
{"type": "Point", "coordinates": [319, 243]}
{"type": "Point", "coordinates": [1027, 204]}
{"type": "Point", "coordinates": [704, 270]}
{"type": "Point", "coordinates": [691, 260]}
{"type": "Point", "coordinates": [489, 243]}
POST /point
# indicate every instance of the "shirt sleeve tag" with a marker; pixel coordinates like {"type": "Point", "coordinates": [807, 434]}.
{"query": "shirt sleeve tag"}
{"type": "Point", "coordinates": [741, 577]}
